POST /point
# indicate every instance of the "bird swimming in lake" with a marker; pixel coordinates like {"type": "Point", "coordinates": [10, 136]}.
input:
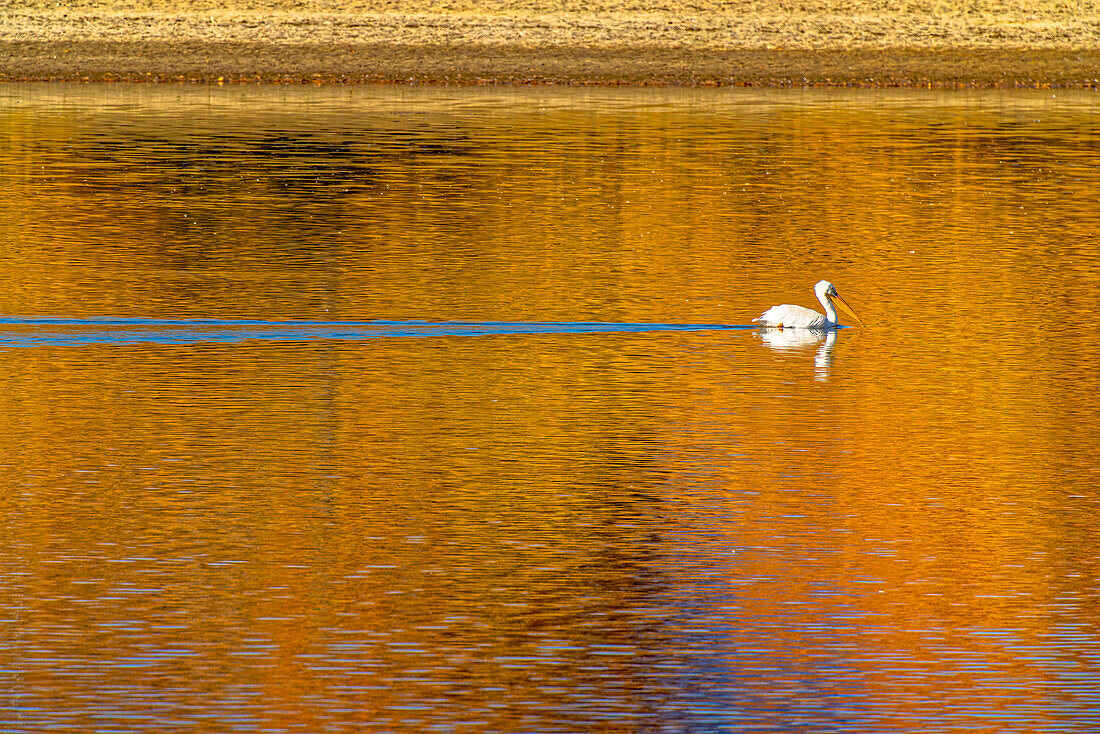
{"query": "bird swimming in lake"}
{"type": "Point", "coordinates": [797, 317]}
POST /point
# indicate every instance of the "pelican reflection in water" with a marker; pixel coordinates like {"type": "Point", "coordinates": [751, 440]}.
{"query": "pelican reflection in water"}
{"type": "Point", "coordinates": [799, 317]}
{"type": "Point", "coordinates": [803, 340]}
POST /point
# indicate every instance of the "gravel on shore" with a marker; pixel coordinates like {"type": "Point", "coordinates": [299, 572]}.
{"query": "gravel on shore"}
{"type": "Point", "coordinates": [710, 42]}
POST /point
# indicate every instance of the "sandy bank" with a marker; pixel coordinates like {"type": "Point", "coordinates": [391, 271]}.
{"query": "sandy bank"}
{"type": "Point", "coordinates": [753, 42]}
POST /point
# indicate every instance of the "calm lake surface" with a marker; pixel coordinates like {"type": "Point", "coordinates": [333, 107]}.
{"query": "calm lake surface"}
{"type": "Point", "coordinates": [407, 410]}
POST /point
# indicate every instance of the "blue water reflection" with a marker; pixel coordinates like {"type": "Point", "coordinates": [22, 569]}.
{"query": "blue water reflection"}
{"type": "Point", "coordinates": [70, 332]}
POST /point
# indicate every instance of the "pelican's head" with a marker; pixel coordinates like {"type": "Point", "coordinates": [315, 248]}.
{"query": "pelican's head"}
{"type": "Point", "coordinates": [824, 289]}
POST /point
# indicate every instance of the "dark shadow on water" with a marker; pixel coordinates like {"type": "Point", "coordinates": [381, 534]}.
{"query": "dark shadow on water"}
{"type": "Point", "coordinates": [27, 332]}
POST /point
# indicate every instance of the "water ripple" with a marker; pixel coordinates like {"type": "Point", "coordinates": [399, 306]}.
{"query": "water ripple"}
{"type": "Point", "coordinates": [30, 332]}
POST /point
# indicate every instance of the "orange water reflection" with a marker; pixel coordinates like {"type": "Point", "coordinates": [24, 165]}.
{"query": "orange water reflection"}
{"type": "Point", "coordinates": [891, 530]}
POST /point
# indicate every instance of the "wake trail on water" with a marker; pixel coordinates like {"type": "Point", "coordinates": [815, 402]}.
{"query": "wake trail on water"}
{"type": "Point", "coordinates": [60, 331]}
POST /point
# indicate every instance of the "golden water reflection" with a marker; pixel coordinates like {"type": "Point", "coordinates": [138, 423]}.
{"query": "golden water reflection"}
{"type": "Point", "coordinates": [886, 528]}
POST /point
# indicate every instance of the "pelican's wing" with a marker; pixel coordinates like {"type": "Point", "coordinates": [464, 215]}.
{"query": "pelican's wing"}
{"type": "Point", "coordinates": [791, 317]}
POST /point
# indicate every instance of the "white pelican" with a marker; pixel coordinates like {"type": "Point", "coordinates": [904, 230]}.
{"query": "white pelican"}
{"type": "Point", "coordinates": [797, 317]}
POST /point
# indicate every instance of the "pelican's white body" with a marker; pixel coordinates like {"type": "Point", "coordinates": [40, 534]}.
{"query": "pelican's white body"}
{"type": "Point", "coordinates": [799, 317]}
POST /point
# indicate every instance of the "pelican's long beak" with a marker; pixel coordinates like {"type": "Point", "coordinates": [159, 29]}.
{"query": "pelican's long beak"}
{"type": "Point", "coordinates": [845, 307]}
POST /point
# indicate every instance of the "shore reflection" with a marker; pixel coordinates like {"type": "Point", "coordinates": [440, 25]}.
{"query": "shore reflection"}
{"type": "Point", "coordinates": [434, 410]}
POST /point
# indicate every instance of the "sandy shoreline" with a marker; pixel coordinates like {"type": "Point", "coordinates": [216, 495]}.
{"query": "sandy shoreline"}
{"type": "Point", "coordinates": [854, 42]}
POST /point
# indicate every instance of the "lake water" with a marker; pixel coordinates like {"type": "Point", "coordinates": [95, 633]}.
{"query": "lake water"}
{"type": "Point", "coordinates": [438, 409]}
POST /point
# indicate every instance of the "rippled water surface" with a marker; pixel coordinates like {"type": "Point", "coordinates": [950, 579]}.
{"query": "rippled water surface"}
{"type": "Point", "coordinates": [342, 410]}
